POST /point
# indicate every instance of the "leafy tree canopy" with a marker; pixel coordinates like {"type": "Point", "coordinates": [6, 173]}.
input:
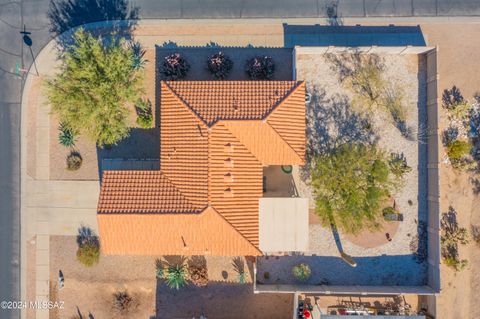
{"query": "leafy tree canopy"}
{"type": "Point", "coordinates": [350, 186]}
{"type": "Point", "coordinates": [96, 81]}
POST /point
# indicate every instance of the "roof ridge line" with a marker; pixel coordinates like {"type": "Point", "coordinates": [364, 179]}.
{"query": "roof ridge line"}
{"type": "Point", "coordinates": [185, 103]}
{"type": "Point", "coordinates": [233, 227]}
{"type": "Point", "coordinates": [286, 142]}
{"type": "Point", "coordinates": [285, 97]}
{"type": "Point", "coordinates": [180, 192]}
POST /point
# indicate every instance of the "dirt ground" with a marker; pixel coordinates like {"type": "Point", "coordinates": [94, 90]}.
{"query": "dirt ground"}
{"type": "Point", "coordinates": [459, 56]}
{"type": "Point", "coordinates": [89, 291]}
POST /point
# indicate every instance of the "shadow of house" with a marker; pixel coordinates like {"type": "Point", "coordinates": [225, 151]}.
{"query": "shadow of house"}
{"type": "Point", "coordinates": [215, 301]}
{"type": "Point", "coordinates": [67, 14]}
{"type": "Point", "coordinates": [351, 36]}
{"type": "Point", "coordinates": [143, 145]}
{"type": "Point", "coordinates": [197, 58]}
{"type": "Point", "coordinates": [397, 270]}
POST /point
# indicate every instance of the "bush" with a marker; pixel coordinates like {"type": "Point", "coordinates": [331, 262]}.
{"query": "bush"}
{"type": "Point", "coordinates": [198, 274]}
{"type": "Point", "coordinates": [301, 272]}
{"type": "Point", "coordinates": [123, 303]}
{"type": "Point", "coordinates": [398, 165]}
{"type": "Point", "coordinates": [66, 135]}
{"type": "Point", "coordinates": [138, 54]}
{"type": "Point", "coordinates": [219, 65]}
{"type": "Point", "coordinates": [74, 161]}
{"type": "Point", "coordinates": [455, 263]}
{"type": "Point", "coordinates": [88, 254]}
{"type": "Point", "coordinates": [451, 98]}
{"type": "Point", "coordinates": [174, 67]}
{"type": "Point", "coordinates": [260, 68]}
{"type": "Point", "coordinates": [144, 113]}
{"type": "Point", "coordinates": [176, 276]}
{"type": "Point", "coordinates": [457, 150]}
{"type": "Point", "coordinates": [452, 236]}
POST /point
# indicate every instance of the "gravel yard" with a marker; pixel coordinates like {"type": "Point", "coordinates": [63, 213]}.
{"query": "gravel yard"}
{"type": "Point", "coordinates": [330, 118]}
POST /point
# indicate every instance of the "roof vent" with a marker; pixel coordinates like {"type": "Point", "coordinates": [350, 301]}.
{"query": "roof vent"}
{"type": "Point", "coordinates": [229, 148]}
{"type": "Point", "coordinates": [228, 162]}
{"type": "Point", "coordinates": [228, 178]}
{"type": "Point", "coordinates": [228, 192]}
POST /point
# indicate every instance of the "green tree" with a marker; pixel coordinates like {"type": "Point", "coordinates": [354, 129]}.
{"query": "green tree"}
{"type": "Point", "coordinates": [97, 80]}
{"type": "Point", "coordinates": [350, 184]}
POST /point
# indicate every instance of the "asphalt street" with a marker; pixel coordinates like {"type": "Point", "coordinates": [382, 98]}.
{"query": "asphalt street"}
{"type": "Point", "coordinates": [33, 14]}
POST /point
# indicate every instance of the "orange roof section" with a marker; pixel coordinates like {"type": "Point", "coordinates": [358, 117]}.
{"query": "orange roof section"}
{"type": "Point", "coordinates": [215, 138]}
{"type": "Point", "coordinates": [206, 233]}
{"type": "Point", "coordinates": [141, 192]}
{"type": "Point", "coordinates": [231, 100]}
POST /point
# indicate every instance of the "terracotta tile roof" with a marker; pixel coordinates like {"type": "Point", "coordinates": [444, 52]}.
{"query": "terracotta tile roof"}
{"type": "Point", "coordinates": [141, 192]}
{"type": "Point", "coordinates": [215, 139]}
{"type": "Point", "coordinates": [243, 177]}
{"type": "Point", "coordinates": [231, 100]}
{"type": "Point", "coordinates": [183, 148]}
{"type": "Point", "coordinates": [172, 234]}
{"type": "Point", "coordinates": [268, 147]}
{"type": "Point", "coordinates": [288, 119]}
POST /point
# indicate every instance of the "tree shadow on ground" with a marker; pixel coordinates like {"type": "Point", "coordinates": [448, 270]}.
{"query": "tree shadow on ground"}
{"type": "Point", "coordinates": [67, 14]}
{"type": "Point", "coordinates": [331, 122]}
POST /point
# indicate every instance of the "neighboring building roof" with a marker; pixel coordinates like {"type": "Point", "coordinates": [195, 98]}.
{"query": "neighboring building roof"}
{"type": "Point", "coordinates": [283, 224]}
{"type": "Point", "coordinates": [215, 138]}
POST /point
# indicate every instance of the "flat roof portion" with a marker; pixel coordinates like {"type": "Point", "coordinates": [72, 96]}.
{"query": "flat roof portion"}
{"type": "Point", "coordinates": [283, 224]}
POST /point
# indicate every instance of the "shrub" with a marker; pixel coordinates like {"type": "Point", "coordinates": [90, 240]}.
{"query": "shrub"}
{"type": "Point", "coordinates": [176, 276]}
{"type": "Point", "coordinates": [260, 68]}
{"type": "Point", "coordinates": [398, 165]}
{"type": "Point", "coordinates": [66, 135]}
{"type": "Point", "coordinates": [457, 150]}
{"type": "Point", "coordinates": [241, 277]}
{"type": "Point", "coordinates": [301, 272]}
{"type": "Point", "coordinates": [123, 303]}
{"type": "Point", "coordinates": [455, 263]}
{"type": "Point", "coordinates": [366, 77]}
{"type": "Point", "coordinates": [144, 113]}
{"type": "Point", "coordinates": [219, 65]}
{"type": "Point", "coordinates": [74, 161]}
{"type": "Point", "coordinates": [88, 254]}
{"type": "Point", "coordinates": [174, 67]}
{"type": "Point", "coordinates": [198, 274]}
{"type": "Point", "coordinates": [93, 86]}
{"type": "Point", "coordinates": [449, 135]}
{"type": "Point", "coordinates": [452, 236]}
{"type": "Point", "coordinates": [451, 98]}
{"type": "Point", "coordinates": [138, 54]}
